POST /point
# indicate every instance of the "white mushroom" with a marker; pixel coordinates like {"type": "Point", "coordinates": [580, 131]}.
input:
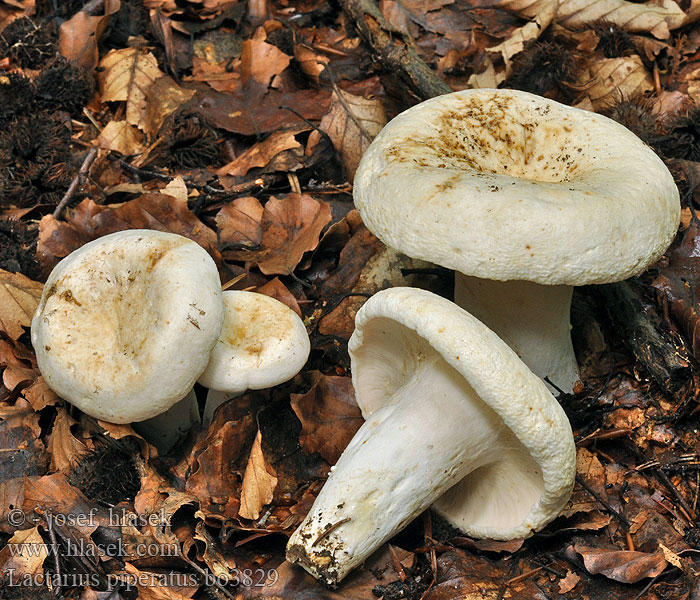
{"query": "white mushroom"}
{"type": "Point", "coordinates": [126, 323]}
{"type": "Point", "coordinates": [263, 343]}
{"type": "Point", "coordinates": [524, 197]}
{"type": "Point", "coordinates": [447, 405]}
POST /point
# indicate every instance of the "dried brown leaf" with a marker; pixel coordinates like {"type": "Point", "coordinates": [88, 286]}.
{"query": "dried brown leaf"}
{"type": "Point", "coordinates": [527, 33]}
{"type": "Point", "coordinates": [352, 124]}
{"type": "Point", "coordinates": [260, 154]}
{"type": "Point", "coordinates": [88, 221]}
{"type": "Point", "coordinates": [291, 226]}
{"type": "Point", "coordinates": [19, 297]}
{"type": "Point", "coordinates": [260, 61]}
{"type": "Point", "coordinates": [21, 449]}
{"type": "Point", "coordinates": [40, 395]}
{"type": "Point", "coordinates": [126, 76]}
{"type": "Point", "coordinates": [27, 562]}
{"type": "Point", "coordinates": [610, 79]}
{"type": "Point", "coordinates": [66, 450]}
{"type": "Point", "coordinates": [568, 583]}
{"type": "Point", "coordinates": [329, 416]}
{"type": "Point", "coordinates": [277, 290]}
{"type": "Point", "coordinates": [121, 137]}
{"type": "Point", "coordinates": [624, 566]}
{"type": "Point", "coordinates": [155, 585]}
{"type": "Point", "coordinates": [524, 8]}
{"type": "Point", "coordinates": [679, 281]}
{"type": "Point", "coordinates": [310, 61]}
{"type": "Point", "coordinates": [240, 223]}
{"type": "Point", "coordinates": [259, 482]}
{"type": "Point", "coordinates": [656, 18]}
{"type": "Point", "coordinates": [163, 98]}
{"type": "Point", "coordinates": [216, 464]}
{"type": "Point", "coordinates": [78, 36]}
{"type": "Point", "coordinates": [17, 370]}
{"type": "Point", "coordinates": [248, 113]}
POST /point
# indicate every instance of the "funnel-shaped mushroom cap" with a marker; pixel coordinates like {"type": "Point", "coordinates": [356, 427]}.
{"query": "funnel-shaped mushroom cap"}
{"type": "Point", "coordinates": [506, 185]}
{"type": "Point", "coordinates": [126, 323]}
{"type": "Point", "coordinates": [262, 343]}
{"type": "Point", "coordinates": [403, 335]}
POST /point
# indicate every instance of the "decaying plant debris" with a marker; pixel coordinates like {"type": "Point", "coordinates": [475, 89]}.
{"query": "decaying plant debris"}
{"type": "Point", "coordinates": [240, 125]}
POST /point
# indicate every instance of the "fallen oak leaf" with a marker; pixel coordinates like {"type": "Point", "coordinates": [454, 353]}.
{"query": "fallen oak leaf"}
{"type": "Point", "coordinates": [259, 482]}
{"type": "Point", "coordinates": [261, 62]}
{"type": "Point", "coordinates": [277, 290]}
{"type": "Point", "coordinates": [78, 36]}
{"type": "Point", "coordinates": [527, 33]}
{"type": "Point", "coordinates": [657, 18]}
{"type": "Point", "coordinates": [17, 371]}
{"type": "Point", "coordinates": [163, 98]}
{"type": "Point", "coordinates": [88, 221]}
{"type": "Point", "coordinates": [607, 80]}
{"type": "Point", "coordinates": [19, 297]}
{"type": "Point", "coordinates": [21, 450]}
{"type": "Point", "coordinates": [260, 154]}
{"type": "Point", "coordinates": [126, 76]}
{"type": "Point", "coordinates": [329, 416]}
{"type": "Point", "coordinates": [121, 137]}
{"type": "Point", "coordinates": [569, 582]}
{"type": "Point", "coordinates": [66, 450]}
{"type": "Point", "coordinates": [240, 223]}
{"type": "Point", "coordinates": [352, 124]}
{"type": "Point", "coordinates": [291, 226]}
{"type": "Point", "coordinates": [24, 554]}
{"type": "Point", "coordinates": [625, 566]}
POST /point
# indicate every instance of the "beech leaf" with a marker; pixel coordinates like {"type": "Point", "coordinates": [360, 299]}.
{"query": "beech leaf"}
{"type": "Point", "coordinates": [259, 482]}
{"type": "Point", "coordinates": [19, 297]}
{"type": "Point", "coordinates": [126, 76]}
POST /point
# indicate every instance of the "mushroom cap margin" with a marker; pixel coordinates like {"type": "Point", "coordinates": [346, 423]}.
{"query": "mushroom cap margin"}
{"type": "Point", "coordinates": [451, 203]}
{"type": "Point", "coordinates": [500, 379]}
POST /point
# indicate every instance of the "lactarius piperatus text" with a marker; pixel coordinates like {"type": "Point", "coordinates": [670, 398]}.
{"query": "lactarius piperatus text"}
{"type": "Point", "coordinates": [524, 198]}
{"type": "Point", "coordinates": [126, 324]}
{"type": "Point", "coordinates": [451, 413]}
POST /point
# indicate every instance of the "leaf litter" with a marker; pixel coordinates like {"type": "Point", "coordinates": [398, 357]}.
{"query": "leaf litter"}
{"type": "Point", "coordinates": [240, 125]}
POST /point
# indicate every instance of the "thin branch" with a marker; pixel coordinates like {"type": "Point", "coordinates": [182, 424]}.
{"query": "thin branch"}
{"type": "Point", "coordinates": [78, 180]}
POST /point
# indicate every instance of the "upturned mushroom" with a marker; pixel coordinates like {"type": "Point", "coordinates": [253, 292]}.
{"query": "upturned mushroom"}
{"type": "Point", "coordinates": [451, 413]}
{"type": "Point", "coordinates": [126, 324]}
{"type": "Point", "coordinates": [524, 198]}
{"type": "Point", "coordinates": [263, 343]}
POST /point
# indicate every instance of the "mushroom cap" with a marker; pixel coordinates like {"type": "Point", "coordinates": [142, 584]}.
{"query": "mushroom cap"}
{"type": "Point", "coordinates": [126, 323]}
{"type": "Point", "coordinates": [532, 478]}
{"type": "Point", "coordinates": [263, 343]}
{"type": "Point", "coordinates": [503, 184]}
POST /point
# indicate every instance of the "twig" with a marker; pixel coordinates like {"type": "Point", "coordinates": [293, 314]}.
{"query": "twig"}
{"type": "Point", "coordinates": [605, 504]}
{"type": "Point", "coordinates": [396, 51]}
{"type": "Point", "coordinates": [77, 182]}
{"type": "Point", "coordinates": [54, 546]}
{"type": "Point", "coordinates": [246, 186]}
{"type": "Point", "coordinates": [688, 512]}
{"type": "Point", "coordinates": [327, 531]}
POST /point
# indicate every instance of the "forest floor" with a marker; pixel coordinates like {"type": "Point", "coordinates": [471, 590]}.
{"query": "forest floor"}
{"type": "Point", "coordinates": [240, 125]}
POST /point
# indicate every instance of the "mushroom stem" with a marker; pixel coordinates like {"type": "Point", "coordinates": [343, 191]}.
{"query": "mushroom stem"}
{"type": "Point", "coordinates": [533, 319]}
{"type": "Point", "coordinates": [215, 399]}
{"type": "Point", "coordinates": [435, 431]}
{"type": "Point", "coordinates": [168, 428]}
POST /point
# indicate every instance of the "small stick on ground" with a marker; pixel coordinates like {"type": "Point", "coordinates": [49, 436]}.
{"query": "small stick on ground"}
{"type": "Point", "coordinates": [396, 52]}
{"type": "Point", "coordinates": [605, 504]}
{"type": "Point", "coordinates": [78, 180]}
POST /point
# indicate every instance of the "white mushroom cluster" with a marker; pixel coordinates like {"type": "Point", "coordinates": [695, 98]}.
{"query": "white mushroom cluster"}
{"type": "Point", "coordinates": [129, 322]}
{"type": "Point", "coordinates": [524, 198]}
